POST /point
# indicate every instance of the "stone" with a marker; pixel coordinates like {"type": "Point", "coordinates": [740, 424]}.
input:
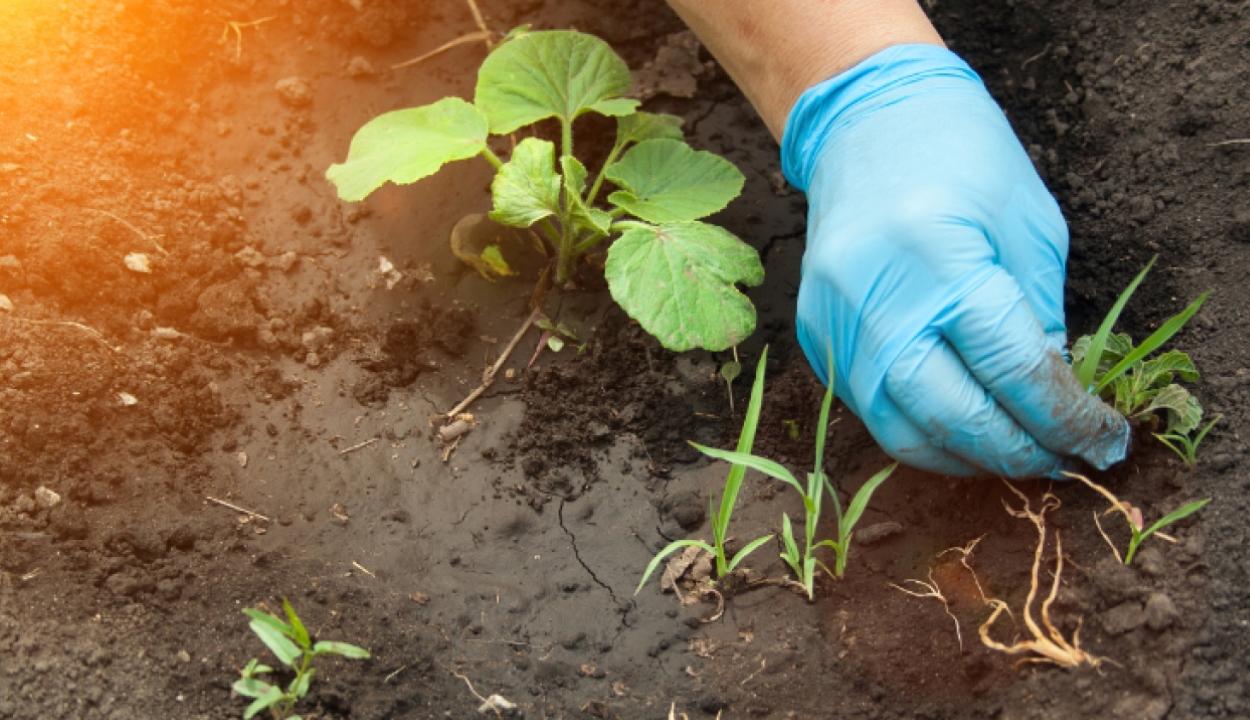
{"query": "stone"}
{"type": "Point", "coordinates": [317, 339]}
{"type": "Point", "coordinates": [878, 532]}
{"type": "Point", "coordinates": [359, 67]}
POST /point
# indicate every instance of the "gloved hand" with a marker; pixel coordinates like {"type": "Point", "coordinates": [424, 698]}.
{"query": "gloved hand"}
{"type": "Point", "coordinates": [934, 273]}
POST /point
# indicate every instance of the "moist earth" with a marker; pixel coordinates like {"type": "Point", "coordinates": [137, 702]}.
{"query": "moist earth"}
{"type": "Point", "coordinates": [218, 380]}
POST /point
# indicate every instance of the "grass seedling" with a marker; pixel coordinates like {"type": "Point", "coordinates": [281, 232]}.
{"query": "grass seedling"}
{"type": "Point", "coordinates": [1134, 517]}
{"type": "Point", "coordinates": [733, 484]}
{"type": "Point", "coordinates": [1049, 646]}
{"type": "Point", "coordinates": [658, 248]}
{"type": "Point", "coordinates": [294, 647]}
{"type": "Point", "coordinates": [804, 563]}
{"type": "Point", "coordinates": [1185, 446]}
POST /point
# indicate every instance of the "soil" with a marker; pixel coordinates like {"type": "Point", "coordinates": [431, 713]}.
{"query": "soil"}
{"type": "Point", "coordinates": [285, 350]}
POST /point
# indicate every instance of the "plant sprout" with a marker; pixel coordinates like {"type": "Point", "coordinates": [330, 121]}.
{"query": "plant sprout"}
{"type": "Point", "coordinates": [1185, 446]}
{"type": "Point", "coordinates": [673, 273]}
{"type": "Point", "coordinates": [733, 484]}
{"type": "Point", "coordinates": [294, 647]}
{"type": "Point", "coordinates": [1134, 517]}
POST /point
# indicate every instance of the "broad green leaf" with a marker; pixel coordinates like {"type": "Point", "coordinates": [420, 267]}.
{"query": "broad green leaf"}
{"type": "Point", "coordinates": [406, 145]}
{"type": "Point", "coordinates": [647, 126]}
{"type": "Point", "coordinates": [556, 73]}
{"type": "Point", "coordinates": [299, 686]}
{"type": "Point", "coordinates": [750, 548]}
{"type": "Point", "coordinates": [669, 550]}
{"type": "Point", "coordinates": [584, 217]}
{"type": "Point", "coordinates": [516, 32]}
{"type": "Point", "coordinates": [755, 462]}
{"type": "Point", "coordinates": [347, 650]}
{"type": "Point", "coordinates": [574, 173]}
{"type": "Point", "coordinates": [555, 343]}
{"type": "Point", "coordinates": [251, 687]}
{"type": "Point", "coordinates": [860, 502]}
{"type": "Point", "coordinates": [1088, 367]}
{"type": "Point", "coordinates": [677, 280]}
{"type": "Point", "coordinates": [730, 371]}
{"type": "Point", "coordinates": [527, 188]}
{"type": "Point", "coordinates": [279, 644]}
{"type": "Point", "coordinates": [1184, 410]}
{"type": "Point", "coordinates": [298, 631]}
{"type": "Point", "coordinates": [1158, 372]}
{"type": "Point", "coordinates": [667, 180]}
{"type": "Point", "coordinates": [272, 696]}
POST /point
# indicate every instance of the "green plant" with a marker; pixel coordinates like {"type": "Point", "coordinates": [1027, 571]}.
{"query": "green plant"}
{"type": "Point", "coordinates": [1133, 516]}
{"type": "Point", "coordinates": [1121, 374]}
{"type": "Point", "coordinates": [294, 647]}
{"type": "Point", "coordinates": [672, 273]}
{"type": "Point", "coordinates": [804, 563]}
{"type": "Point", "coordinates": [1185, 446]}
{"type": "Point", "coordinates": [733, 484]}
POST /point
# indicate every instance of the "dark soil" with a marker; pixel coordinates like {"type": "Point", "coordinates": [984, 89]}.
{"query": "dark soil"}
{"type": "Point", "coordinates": [269, 360]}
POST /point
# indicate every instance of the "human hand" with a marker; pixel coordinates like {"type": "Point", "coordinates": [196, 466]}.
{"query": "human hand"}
{"type": "Point", "coordinates": [934, 273]}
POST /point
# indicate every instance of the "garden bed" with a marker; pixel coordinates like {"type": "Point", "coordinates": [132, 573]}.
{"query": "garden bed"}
{"type": "Point", "coordinates": [272, 361]}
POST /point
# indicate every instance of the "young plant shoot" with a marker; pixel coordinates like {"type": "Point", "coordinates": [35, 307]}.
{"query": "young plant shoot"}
{"type": "Point", "coordinates": [733, 484]}
{"type": "Point", "coordinates": [804, 563]}
{"type": "Point", "coordinates": [1133, 516]}
{"type": "Point", "coordinates": [668, 270]}
{"type": "Point", "coordinates": [1136, 384]}
{"type": "Point", "coordinates": [293, 646]}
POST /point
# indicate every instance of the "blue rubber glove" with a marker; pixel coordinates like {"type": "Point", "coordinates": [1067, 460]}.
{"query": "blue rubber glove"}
{"type": "Point", "coordinates": [934, 273]}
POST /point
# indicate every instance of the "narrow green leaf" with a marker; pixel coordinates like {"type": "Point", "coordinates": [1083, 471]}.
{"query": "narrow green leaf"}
{"type": "Point", "coordinates": [527, 188]}
{"type": "Point", "coordinates": [557, 73]}
{"type": "Point", "coordinates": [278, 643]}
{"type": "Point", "coordinates": [860, 501]}
{"type": "Point", "coordinates": [755, 462]}
{"type": "Point", "coordinates": [750, 548]}
{"type": "Point", "coordinates": [251, 687]}
{"type": "Point", "coordinates": [298, 632]}
{"type": "Point", "coordinates": [666, 181]}
{"type": "Point", "coordinates": [678, 281]}
{"type": "Point", "coordinates": [669, 550]}
{"type": "Point", "coordinates": [299, 686]}
{"type": "Point", "coordinates": [267, 619]}
{"type": "Point", "coordinates": [406, 145]}
{"type": "Point", "coordinates": [791, 554]}
{"type": "Point", "coordinates": [270, 697]}
{"type": "Point", "coordinates": [1152, 343]}
{"type": "Point", "coordinates": [1175, 515]}
{"type": "Point", "coordinates": [733, 483]}
{"type": "Point", "coordinates": [642, 126]}
{"type": "Point", "coordinates": [822, 425]}
{"type": "Point", "coordinates": [347, 650]}
{"type": "Point", "coordinates": [1089, 365]}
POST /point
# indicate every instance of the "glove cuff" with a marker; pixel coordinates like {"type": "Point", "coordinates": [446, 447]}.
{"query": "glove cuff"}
{"type": "Point", "coordinates": [874, 82]}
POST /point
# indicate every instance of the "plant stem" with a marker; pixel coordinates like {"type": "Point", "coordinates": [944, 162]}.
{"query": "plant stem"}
{"type": "Point", "coordinates": [594, 189]}
{"type": "Point", "coordinates": [565, 253]}
{"type": "Point", "coordinates": [492, 158]}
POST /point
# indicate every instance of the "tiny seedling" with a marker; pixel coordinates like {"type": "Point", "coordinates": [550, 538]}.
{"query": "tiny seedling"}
{"type": "Point", "coordinates": [804, 563]}
{"type": "Point", "coordinates": [733, 484]}
{"type": "Point", "coordinates": [730, 372]}
{"type": "Point", "coordinates": [1050, 646]}
{"type": "Point", "coordinates": [1184, 445]}
{"type": "Point", "coordinates": [294, 647]}
{"type": "Point", "coordinates": [1136, 384]}
{"type": "Point", "coordinates": [1134, 517]}
{"type": "Point", "coordinates": [673, 273]}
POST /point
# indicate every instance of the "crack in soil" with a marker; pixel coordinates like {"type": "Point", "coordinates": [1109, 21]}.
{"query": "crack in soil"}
{"type": "Point", "coordinates": [618, 605]}
{"type": "Point", "coordinates": [768, 246]}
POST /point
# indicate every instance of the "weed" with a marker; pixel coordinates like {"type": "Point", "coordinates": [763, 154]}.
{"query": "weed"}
{"type": "Point", "coordinates": [1050, 647]}
{"type": "Point", "coordinates": [804, 563]}
{"type": "Point", "coordinates": [1185, 446]}
{"type": "Point", "coordinates": [1122, 375]}
{"type": "Point", "coordinates": [733, 484]}
{"type": "Point", "coordinates": [668, 270]}
{"type": "Point", "coordinates": [1134, 517]}
{"type": "Point", "coordinates": [294, 647]}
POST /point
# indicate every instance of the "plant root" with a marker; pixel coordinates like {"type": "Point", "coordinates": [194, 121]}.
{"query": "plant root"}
{"type": "Point", "coordinates": [488, 375]}
{"type": "Point", "coordinates": [935, 592]}
{"type": "Point", "coordinates": [135, 230]}
{"type": "Point", "coordinates": [237, 27]}
{"type": "Point", "coordinates": [1133, 515]}
{"type": "Point", "coordinates": [483, 34]}
{"type": "Point", "coordinates": [1049, 646]}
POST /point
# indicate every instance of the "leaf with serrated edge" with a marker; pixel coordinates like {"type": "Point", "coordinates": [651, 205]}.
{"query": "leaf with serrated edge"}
{"type": "Point", "coordinates": [556, 73]}
{"type": "Point", "coordinates": [527, 188]}
{"type": "Point", "coordinates": [406, 145]}
{"type": "Point", "coordinates": [667, 180]}
{"type": "Point", "coordinates": [677, 280]}
{"type": "Point", "coordinates": [647, 126]}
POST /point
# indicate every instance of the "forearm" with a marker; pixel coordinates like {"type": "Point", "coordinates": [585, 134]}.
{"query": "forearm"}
{"type": "Point", "coordinates": [776, 49]}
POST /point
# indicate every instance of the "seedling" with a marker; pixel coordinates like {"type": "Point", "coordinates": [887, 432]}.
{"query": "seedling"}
{"type": "Point", "coordinates": [668, 270]}
{"type": "Point", "coordinates": [1121, 374]}
{"type": "Point", "coordinates": [1185, 446]}
{"type": "Point", "coordinates": [730, 372]}
{"type": "Point", "coordinates": [1134, 517]}
{"type": "Point", "coordinates": [294, 647]}
{"type": "Point", "coordinates": [804, 563]}
{"type": "Point", "coordinates": [1051, 646]}
{"type": "Point", "coordinates": [733, 484]}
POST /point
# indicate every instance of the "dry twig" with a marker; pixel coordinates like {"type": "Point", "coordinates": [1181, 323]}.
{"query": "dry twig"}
{"type": "Point", "coordinates": [137, 231]}
{"type": "Point", "coordinates": [234, 507]}
{"type": "Point", "coordinates": [483, 33]}
{"type": "Point", "coordinates": [488, 376]}
{"type": "Point", "coordinates": [237, 27]}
